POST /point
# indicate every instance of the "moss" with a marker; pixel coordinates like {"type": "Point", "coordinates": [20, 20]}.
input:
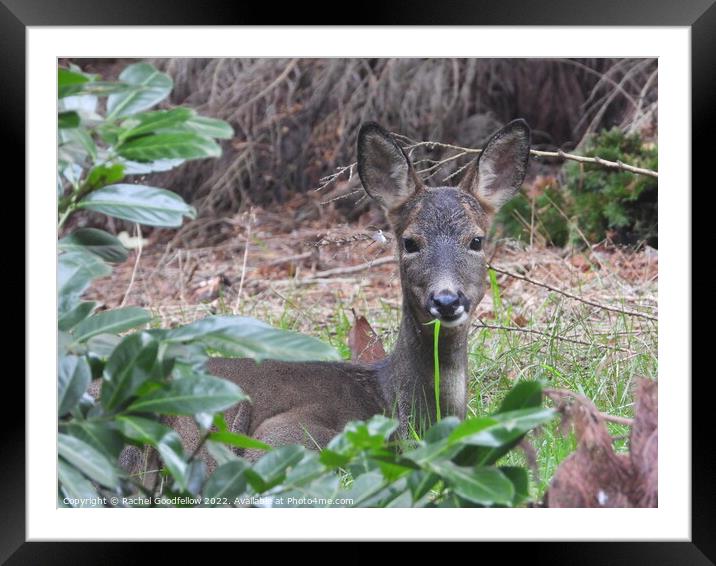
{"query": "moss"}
{"type": "Point", "coordinates": [594, 202]}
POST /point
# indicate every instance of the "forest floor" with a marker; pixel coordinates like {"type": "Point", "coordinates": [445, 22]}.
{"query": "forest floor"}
{"type": "Point", "coordinates": [583, 320]}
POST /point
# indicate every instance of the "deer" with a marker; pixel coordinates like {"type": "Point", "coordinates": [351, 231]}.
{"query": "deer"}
{"type": "Point", "coordinates": [440, 234]}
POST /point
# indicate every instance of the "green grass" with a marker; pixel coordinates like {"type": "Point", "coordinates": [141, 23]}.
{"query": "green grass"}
{"type": "Point", "coordinates": [604, 375]}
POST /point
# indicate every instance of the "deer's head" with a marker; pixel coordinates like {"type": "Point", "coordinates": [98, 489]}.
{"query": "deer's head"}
{"type": "Point", "coordinates": [441, 231]}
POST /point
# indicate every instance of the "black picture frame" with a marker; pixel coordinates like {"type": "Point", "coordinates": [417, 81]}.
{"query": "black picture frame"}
{"type": "Point", "coordinates": [699, 15]}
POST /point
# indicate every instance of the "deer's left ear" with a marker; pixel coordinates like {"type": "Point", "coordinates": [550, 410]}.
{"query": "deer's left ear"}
{"type": "Point", "coordinates": [497, 174]}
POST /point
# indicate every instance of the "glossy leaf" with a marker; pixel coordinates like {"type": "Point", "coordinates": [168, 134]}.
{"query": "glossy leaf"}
{"type": "Point", "coordinates": [111, 322]}
{"type": "Point", "coordinates": [102, 175]}
{"type": "Point", "coordinates": [228, 480]}
{"type": "Point", "coordinates": [190, 395]}
{"type": "Point", "coordinates": [210, 127]}
{"type": "Point", "coordinates": [155, 87]}
{"type": "Point", "coordinates": [76, 270]}
{"type": "Point", "coordinates": [139, 203]}
{"type": "Point", "coordinates": [148, 122]}
{"type": "Point", "coordinates": [76, 487]}
{"type": "Point", "coordinates": [270, 469]}
{"type": "Point", "coordinates": [73, 378]}
{"type": "Point", "coordinates": [68, 119]}
{"type": "Point", "coordinates": [98, 242]}
{"type": "Point", "coordinates": [70, 319]}
{"type": "Point", "coordinates": [164, 439]}
{"type": "Point", "coordinates": [100, 435]}
{"type": "Point", "coordinates": [169, 145]}
{"type": "Point", "coordinates": [247, 337]}
{"type": "Point", "coordinates": [129, 365]}
{"type": "Point", "coordinates": [484, 486]}
{"type": "Point", "coordinates": [69, 82]}
{"type": "Point", "coordinates": [90, 461]}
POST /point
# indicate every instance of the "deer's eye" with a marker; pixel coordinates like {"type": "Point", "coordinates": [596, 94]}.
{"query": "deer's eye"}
{"type": "Point", "coordinates": [476, 244]}
{"type": "Point", "coordinates": [410, 245]}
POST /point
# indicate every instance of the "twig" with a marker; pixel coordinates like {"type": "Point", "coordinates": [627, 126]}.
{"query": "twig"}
{"type": "Point", "coordinates": [596, 160]}
{"type": "Point", "coordinates": [621, 166]}
{"type": "Point", "coordinates": [352, 268]}
{"type": "Point", "coordinates": [547, 335]}
{"type": "Point", "coordinates": [136, 265]}
{"type": "Point", "coordinates": [288, 259]}
{"type": "Point", "coordinates": [581, 398]}
{"type": "Point", "coordinates": [243, 266]}
{"type": "Point", "coordinates": [388, 259]}
{"type": "Point", "coordinates": [572, 296]}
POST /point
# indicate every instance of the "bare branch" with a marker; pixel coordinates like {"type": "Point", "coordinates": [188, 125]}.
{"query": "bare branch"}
{"type": "Point", "coordinates": [552, 393]}
{"type": "Point", "coordinates": [463, 151]}
{"type": "Point", "coordinates": [551, 336]}
{"type": "Point", "coordinates": [575, 297]}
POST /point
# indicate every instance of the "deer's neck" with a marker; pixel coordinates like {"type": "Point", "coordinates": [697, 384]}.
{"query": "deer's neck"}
{"type": "Point", "coordinates": [409, 376]}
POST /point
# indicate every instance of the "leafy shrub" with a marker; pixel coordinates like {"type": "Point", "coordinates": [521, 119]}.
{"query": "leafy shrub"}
{"type": "Point", "coordinates": [595, 202]}
{"type": "Point", "coordinates": [148, 374]}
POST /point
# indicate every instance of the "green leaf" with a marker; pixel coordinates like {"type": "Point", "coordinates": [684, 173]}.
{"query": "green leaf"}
{"type": "Point", "coordinates": [155, 87]}
{"type": "Point", "coordinates": [129, 365]}
{"type": "Point", "coordinates": [111, 322]}
{"type": "Point", "coordinates": [190, 395]}
{"type": "Point", "coordinates": [520, 482]}
{"type": "Point", "coordinates": [99, 242]}
{"type": "Point", "coordinates": [228, 480]}
{"type": "Point", "coordinates": [421, 482]}
{"type": "Point", "coordinates": [90, 461]}
{"type": "Point", "coordinates": [68, 119]}
{"type": "Point", "coordinates": [69, 82]}
{"type": "Point", "coordinates": [103, 345]}
{"type": "Point", "coordinates": [159, 166]}
{"type": "Point", "coordinates": [101, 435]}
{"type": "Point", "coordinates": [75, 486]}
{"type": "Point", "coordinates": [102, 175]}
{"type": "Point", "coordinates": [70, 319]}
{"type": "Point", "coordinates": [220, 452]}
{"type": "Point", "coordinates": [139, 203]}
{"type": "Point", "coordinates": [74, 376]}
{"type": "Point", "coordinates": [210, 127]}
{"type": "Point", "coordinates": [148, 122]}
{"type": "Point", "coordinates": [76, 144]}
{"type": "Point", "coordinates": [238, 440]}
{"type": "Point", "coordinates": [169, 145]}
{"type": "Point", "coordinates": [500, 428]}
{"type": "Point", "coordinates": [76, 270]}
{"type": "Point", "coordinates": [271, 468]}
{"type": "Point", "coordinates": [306, 470]}
{"type": "Point", "coordinates": [487, 445]}
{"type": "Point", "coordinates": [523, 395]}
{"type": "Point", "coordinates": [248, 337]}
{"type": "Point", "coordinates": [484, 486]}
{"type": "Point", "coordinates": [164, 439]}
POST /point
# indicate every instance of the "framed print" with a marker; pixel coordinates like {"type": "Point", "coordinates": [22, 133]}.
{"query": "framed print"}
{"type": "Point", "coordinates": [238, 187]}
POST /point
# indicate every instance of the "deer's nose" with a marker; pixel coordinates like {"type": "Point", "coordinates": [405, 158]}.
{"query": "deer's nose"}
{"type": "Point", "coordinates": [445, 302]}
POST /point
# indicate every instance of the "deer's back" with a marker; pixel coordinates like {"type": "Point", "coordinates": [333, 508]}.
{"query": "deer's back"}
{"type": "Point", "coordinates": [329, 393]}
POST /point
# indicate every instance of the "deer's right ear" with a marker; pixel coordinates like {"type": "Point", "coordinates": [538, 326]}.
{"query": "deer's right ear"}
{"type": "Point", "coordinates": [384, 169]}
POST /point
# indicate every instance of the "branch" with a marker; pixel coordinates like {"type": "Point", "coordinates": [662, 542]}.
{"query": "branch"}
{"type": "Point", "coordinates": [547, 335]}
{"type": "Point", "coordinates": [462, 151]}
{"type": "Point", "coordinates": [389, 259]}
{"type": "Point", "coordinates": [581, 398]}
{"type": "Point", "coordinates": [351, 268]}
{"type": "Point", "coordinates": [575, 297]}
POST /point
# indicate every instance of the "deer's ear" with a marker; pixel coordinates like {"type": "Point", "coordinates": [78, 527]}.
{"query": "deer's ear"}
{"type": "Point", "coordinates": [497, 174]}
{"type": "Point", "coordinates": [384, 169]}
